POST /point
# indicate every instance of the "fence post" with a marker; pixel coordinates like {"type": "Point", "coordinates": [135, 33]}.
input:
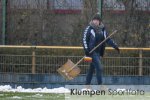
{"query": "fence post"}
{"type": "Point", "coordinates": [140, 63]}
{"type": "Point", "coordinates": [100, 6]}
{"type": "Point", "coordinates": [3, 21]}
{"type": "Point", "coordinates": [33, 60]}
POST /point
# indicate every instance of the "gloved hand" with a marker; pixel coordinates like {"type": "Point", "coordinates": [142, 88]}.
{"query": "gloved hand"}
{"type": "Point", "coordinates": [87, 59]}
{"type": "Point", "coordinates": [118, 50]}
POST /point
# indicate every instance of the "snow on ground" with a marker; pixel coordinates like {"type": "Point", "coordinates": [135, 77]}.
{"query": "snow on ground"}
{"type": "Point", "coordinates": [8, 88]}
{"type": "Point", "coordinates": [16, 97]}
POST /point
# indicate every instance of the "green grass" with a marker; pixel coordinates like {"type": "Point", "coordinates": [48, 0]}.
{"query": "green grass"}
{"type": "Point", "coordinates": [52, 96]}
{"type": "Point", "coordinates": [30, 96]}
{"type": "Point", "coordinates": [110, 97]}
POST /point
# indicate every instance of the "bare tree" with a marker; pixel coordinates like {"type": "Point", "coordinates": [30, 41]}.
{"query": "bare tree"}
{"type": "Point", "coordinates": [136, 24]}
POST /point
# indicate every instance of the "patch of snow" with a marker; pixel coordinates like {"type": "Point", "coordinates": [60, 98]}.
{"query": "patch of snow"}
{"type": "Point", "coordinates": [5, 88]}
{"type": "Point", "coordinates": [37, 95]}
{"type": "Point", "coordinates": [8, 88]}
{"type": "Point", "coordinates": [16, 97]}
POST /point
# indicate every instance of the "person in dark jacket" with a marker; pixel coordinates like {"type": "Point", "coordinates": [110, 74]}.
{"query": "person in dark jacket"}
{"type": "Point", "coordinates": [94, 34]}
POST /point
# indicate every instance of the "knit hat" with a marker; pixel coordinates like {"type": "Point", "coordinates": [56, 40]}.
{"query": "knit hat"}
{"type": "Point", "coordinates": [97, 17]}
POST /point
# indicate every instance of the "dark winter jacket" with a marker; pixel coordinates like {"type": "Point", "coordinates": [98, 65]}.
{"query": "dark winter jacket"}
{"type": "Point", "coordinates": [93, 36]}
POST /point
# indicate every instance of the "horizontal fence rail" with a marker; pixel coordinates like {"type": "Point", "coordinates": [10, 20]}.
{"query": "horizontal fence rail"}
{"type": "Point", "coordinates": [47, 59]}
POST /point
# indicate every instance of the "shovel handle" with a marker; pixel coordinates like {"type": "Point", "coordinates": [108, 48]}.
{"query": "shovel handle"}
{"type": "Point", "coordinates": [93, 50]}
{"type": "Point", "coordinates": [76, 63]}
{"type": "Point", "coordinates": [103, 41]}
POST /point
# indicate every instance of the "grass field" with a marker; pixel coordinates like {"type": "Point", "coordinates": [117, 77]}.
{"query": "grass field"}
{"type": "Point", "coordinates": [61, 96]}
{"type": "Point", "coordinates": [31, 96]}
{"type": "Point", "coordinates": [77, 92]}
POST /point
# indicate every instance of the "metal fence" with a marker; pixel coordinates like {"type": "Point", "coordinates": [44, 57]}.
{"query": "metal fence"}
{"type": "Point", "coordinates": [47, 59]}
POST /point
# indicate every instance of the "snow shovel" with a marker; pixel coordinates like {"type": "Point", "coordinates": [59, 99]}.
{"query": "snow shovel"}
{"type": "Point", "coordinates": [70, 70]}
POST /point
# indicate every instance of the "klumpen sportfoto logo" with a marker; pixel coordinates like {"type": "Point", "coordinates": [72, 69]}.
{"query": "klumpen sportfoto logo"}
{"type": "Point", "coordinates": [107, 91]}
{"type": "Point", "coordinates": [112, 92]}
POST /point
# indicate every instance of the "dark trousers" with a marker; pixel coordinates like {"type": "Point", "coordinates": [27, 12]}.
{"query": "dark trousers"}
{"type": "Point", "coordinates": [95, 65]}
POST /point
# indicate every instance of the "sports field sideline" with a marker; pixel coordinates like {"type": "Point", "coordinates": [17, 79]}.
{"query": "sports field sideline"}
{"type": "Point", "coordinates": [19, 93]}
